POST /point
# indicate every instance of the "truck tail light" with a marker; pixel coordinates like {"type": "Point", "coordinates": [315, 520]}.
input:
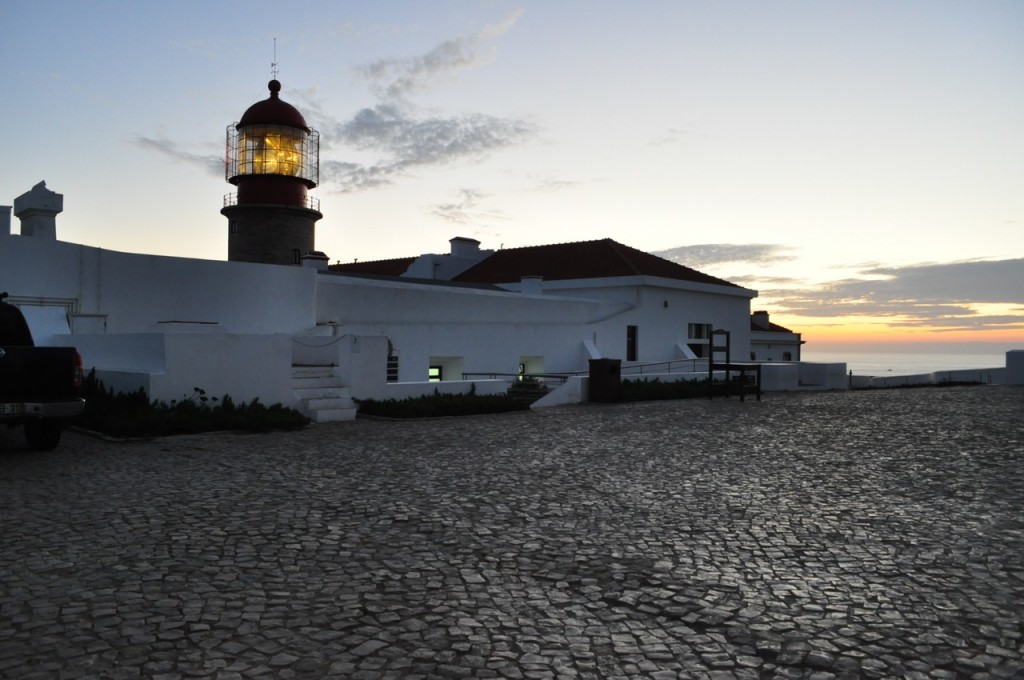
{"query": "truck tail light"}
{"type": "Point", "coordinates": [76, 378]}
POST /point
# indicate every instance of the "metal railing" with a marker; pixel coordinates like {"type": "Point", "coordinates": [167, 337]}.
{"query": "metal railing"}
{"type": "Point", "coordinates": [672, 366]}
{"type": "Point", "coordinates": [546, 379]}
{"type": "Point", "coordinates": [309, 202]}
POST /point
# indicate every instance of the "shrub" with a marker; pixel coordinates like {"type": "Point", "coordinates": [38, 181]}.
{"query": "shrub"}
{"type": "Point", "coordinates": [438, 405]}
{"type": "Point", "coordinates": [134, 415]}
{"type": "Point", "coordinates": [652, 390]}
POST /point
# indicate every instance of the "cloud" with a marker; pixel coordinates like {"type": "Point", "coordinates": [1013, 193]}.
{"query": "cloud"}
{"type": "Point", "coordinates": [393, 128]}
{"type": "Point", "coordinates": [403, 137]}
{"type": "Point", "coordinates": [397, 78]}
{"type": "Point", "coordinates": [550, 186]}
{"type": "Point", "coordinates": [998, 281]}
{"type": "Point", "coordinates": [962, 295]}
{"type": "Point", "coordinates": [950, 296]}
{"type": "Point", "coordinates": [698, 256]}
{"type": "Point", "coordinates": [406, 142]}
{"type": "Point", "coordinates": [212, 164]}
{"type": "Point", "coordinates": [467, 210]}
{"type": "Point", "coordinates": [435, 140]}
{"type": "Point", "coordinates": [351, 177]}
{"type": "Point", "coordinates": [670, 137]}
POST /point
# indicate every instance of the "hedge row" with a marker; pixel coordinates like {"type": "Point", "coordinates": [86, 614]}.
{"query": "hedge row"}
{"type": "Point", "coordinates": [134, 415]}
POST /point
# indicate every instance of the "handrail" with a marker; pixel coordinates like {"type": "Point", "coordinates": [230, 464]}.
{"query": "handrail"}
{"type": "Point", "coordinates": [671, 366]}
{"type": "Point", "coordinates": [560, 378]}
{"type": "Point", "coordinates": [308, 202]}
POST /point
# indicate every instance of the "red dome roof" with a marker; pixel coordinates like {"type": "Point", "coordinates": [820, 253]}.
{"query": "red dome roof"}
{"type": "Point", "coordinates": [273, 111]}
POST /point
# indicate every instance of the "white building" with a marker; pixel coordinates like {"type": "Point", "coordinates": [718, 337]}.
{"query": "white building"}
{"type": "Point", "coordinates": [772, 342]}
{"type": "Point", "coordinates": [313, 336]}
{"type": "Point", "coordinates": [542, 309]}
{"type": "Point", "coordinates": [169, 324]}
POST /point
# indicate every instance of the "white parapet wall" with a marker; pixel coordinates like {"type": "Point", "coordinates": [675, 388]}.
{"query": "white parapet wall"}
{"type": "Point", "coordinates": [1014, 367]}
{"type": "Point", "coordinates": [1011, 374]}
{"type": "Point", "coordinates": [169, 366]}
{"type": "Point", "coordinates": [784, 377]}
{"type": "Point", "coordinates": [820, 376]}
{"type": "Point", "coordinates": [573, 391]}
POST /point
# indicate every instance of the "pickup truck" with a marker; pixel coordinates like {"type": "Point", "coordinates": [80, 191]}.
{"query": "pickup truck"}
{"type": "Point", "coordinates": [39, 386]}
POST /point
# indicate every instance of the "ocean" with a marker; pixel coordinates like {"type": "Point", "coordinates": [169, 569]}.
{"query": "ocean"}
{"type": "Point", "coordinates": [906, 363]}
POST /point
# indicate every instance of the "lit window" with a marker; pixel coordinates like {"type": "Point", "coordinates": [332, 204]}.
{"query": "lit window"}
{"type": "Point", "coordinates": [271, 150]}
{"type": "Point", "coordinates": [435, 374]}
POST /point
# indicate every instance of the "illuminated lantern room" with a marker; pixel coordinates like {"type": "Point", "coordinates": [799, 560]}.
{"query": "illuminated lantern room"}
{"type": "Point", "coordinates": [273, 158]}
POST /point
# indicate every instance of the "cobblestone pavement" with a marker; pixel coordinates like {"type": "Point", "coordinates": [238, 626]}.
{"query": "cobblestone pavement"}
{"type": "Point", "coordinates": [837, 535]}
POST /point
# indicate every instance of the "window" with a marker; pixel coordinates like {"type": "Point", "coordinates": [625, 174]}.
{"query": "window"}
{"type": "Point", "coordinates": [699, 331]}
{"type": "Point", "coordinates": [445, 368]}
{"type": "Point", "coordinates": [698, 336]}
{"type": "Point", "coordinates": [631, 343]}
{"type": "Point", "coordinates": [233, 226]}
{"type": "Point", "coordinates": [530, 364]}
{"type": "Point", "coordinates": [272, 150]}
{"type": "Point", "coordinates": [787, 356]}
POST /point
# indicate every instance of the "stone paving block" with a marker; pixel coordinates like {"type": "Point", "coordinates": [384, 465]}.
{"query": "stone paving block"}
{"type": "Point", "coordinates": [835, 535]}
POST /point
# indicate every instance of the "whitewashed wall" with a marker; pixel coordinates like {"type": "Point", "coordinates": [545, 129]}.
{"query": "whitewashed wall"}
{"type": "Point", "coordinates": [116, 292]}
{"type": "Point", "coordinates": [170, 365]}
{"type": "Point", "coordinates": [177, 323]}
{"type": "Point", "coordinates": [772, 345]}
{"type": "Point", "coordinates": [474, 330]}
{"type": "Point", "coordinates": [662, 309]}
{"type": "Point", "coordinates": [490, 330]}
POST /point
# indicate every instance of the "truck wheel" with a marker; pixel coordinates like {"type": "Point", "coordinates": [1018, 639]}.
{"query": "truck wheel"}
{"type": "Point", "coordinates": [42, 435]}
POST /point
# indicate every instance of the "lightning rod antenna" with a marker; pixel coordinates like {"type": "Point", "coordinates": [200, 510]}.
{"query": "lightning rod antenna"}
{"type": "Point", "coordinates": [273, 64]}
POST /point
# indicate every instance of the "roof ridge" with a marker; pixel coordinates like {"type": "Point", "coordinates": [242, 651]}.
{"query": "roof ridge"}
{"type": "Point", "coordinates": [553, 245]}
{"type": "Point", "coordinates": [618, 248]}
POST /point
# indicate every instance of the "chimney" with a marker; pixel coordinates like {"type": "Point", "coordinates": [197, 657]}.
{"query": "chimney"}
{"type": "Point", "coordinates": [315, 259]}
{"type": "Point", "coordinates": [760, 320]}
{"type": "Point", "coordinates": [464, 247]}
{"type": "Point", "coordinates": [5, 220]}
{"type": "Point", "coordinates": [38, 209]}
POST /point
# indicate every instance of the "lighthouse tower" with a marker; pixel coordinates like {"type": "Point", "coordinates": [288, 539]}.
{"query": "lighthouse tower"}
{"type": "Point", "coordinates": [273, 158]}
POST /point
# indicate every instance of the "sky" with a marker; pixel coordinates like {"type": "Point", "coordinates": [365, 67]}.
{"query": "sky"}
{"type": "Point", "coordinates": [859, 163]}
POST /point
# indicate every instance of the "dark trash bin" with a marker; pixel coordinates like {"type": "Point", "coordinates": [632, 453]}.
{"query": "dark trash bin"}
{"type": "Point", "coordinates": [605, 379]}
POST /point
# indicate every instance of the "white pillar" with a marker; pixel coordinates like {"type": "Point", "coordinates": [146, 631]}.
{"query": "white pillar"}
{"type": "Point", "coordinates": [1015, 367]}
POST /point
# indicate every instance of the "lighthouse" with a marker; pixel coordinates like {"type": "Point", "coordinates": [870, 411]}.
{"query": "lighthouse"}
{"type": "Point", "coordinates": [273, 158]}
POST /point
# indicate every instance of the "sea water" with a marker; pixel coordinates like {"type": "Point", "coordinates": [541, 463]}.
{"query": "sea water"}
{"type": "Point", "coordinates": [906, 363]}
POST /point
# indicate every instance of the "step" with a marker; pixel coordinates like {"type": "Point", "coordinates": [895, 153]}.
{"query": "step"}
{"type": "Point", "coordinates": [322, 394]}
{"type": "Point", "coordinates": [327, 392]}
{"type": "Point", "coordinates": [322, 381]}
{"type": "Point", "coordinates": [334, 415]}
{"type": "Point", "coordinates": [328, 403]}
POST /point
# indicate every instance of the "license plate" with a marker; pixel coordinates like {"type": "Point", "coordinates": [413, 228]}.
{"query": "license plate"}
{"type": "Point", "coordinates": [11, 409]}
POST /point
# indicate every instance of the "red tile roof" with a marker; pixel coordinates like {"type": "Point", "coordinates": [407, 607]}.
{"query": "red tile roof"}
{"type": "Point", "coordinates": [581, 260]}
{"type": "Point", "coordinates": [772, 327]}
{"type": "Point", "coordinates": [395, 267]}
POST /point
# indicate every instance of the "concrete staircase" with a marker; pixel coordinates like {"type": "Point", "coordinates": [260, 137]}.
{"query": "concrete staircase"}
{"type": "Point", "coordinates": [322, 395]}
